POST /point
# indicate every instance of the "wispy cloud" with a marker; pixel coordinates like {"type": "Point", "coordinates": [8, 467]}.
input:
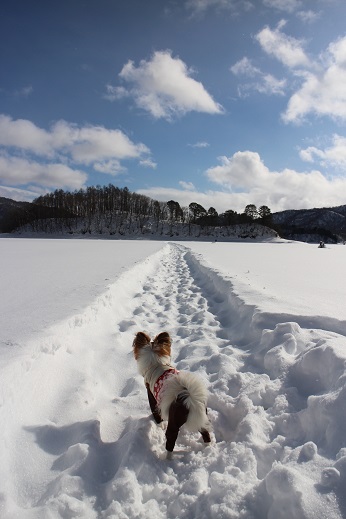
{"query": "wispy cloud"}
{"type": "Point", "coordinates": [187, 186]}
{"type": "Point", "coordinates": [261, 82]}
{"type": "Point", "coordinates": [24, 91]}
{"type": "Point", "coordinates": [289, 6]}
{"type": "Point", "coordinates": [288, 50]}
{"type": "Point", "coordinates": [200, 144]}
{"type": "Point", "coordinates": [333, 155]}
{"type": "Point", "coordinates": [308, 16]}
{"type": "Point", "coordinates": [148, 163]}
{"type": "Point", "coordinates": [163, 87]}
{"type": "Point", "coordinates": [201, 6]}
{"type": "Point", "coordinates": [316, 84]}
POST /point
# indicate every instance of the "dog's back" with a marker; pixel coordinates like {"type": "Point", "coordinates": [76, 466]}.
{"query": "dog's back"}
{"type": "Point", "coordinates": [192, 391]}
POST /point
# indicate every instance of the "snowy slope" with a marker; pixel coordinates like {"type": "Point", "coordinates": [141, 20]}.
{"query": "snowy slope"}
{"type": "Point", "coordinates": [78, 440]}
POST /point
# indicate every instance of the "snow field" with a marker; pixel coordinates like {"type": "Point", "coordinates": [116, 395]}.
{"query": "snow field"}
{"type": "Point", "coordinates": [79, 440]}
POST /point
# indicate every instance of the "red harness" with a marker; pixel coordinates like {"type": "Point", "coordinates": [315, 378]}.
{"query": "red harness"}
{"type": "Point", "coordinates": [160, 381]}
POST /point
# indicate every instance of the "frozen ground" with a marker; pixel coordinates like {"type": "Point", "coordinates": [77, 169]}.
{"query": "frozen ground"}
{"type": "Point", "coordinates": [263, 323]}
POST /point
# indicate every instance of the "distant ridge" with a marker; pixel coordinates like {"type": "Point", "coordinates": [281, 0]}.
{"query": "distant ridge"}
{"type": "Point", "coordinates": [296, 222]}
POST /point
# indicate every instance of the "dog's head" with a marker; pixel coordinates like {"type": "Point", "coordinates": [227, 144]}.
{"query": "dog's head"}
{"type": "Point", "coordinates": [161, 345]}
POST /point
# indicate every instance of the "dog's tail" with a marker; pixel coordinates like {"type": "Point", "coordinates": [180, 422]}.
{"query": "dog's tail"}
{"type": "Point", "coordinates": [194, 394]}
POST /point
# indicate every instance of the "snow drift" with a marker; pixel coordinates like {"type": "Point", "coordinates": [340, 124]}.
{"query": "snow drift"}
{"type": "Point", "coordinates": [78, 439]}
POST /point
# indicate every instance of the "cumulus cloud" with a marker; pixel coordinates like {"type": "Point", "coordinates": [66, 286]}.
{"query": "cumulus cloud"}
{"type": "Point", "coordinates": [245, 172]}
{"type": "Point", "coordinates": [260, 81]}
{"type": "Point", "coordinates": [83, 144]}
{"type": "Point", "coordinates": [52, 158]}
{"type": "Point", "coordinates": [163, 86]}
{"type": "Point", "coordinates": [20, 171]}
{"type": "Point", "coordinates": [92, 143]}
{"type": "Point", "coordinates": [323, 92]}
{"type": "Point", "coordinates": [286, 49]}
{"type": "Point", "coordinates": [318, 84]}
{"type": "Point", "coordinates": [24, 134]}
{"type": "Point", "coordinates": [244, 178]}
{"type": "Point", "coordinates": [334, 155]}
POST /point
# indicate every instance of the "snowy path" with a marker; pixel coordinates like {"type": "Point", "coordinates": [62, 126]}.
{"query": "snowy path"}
{"type": "Point", "coordinates": [90, 449]}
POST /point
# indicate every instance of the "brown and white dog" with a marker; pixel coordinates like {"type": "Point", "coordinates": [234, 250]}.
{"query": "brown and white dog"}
{"type": "Point", "coordinates": [177, 396]}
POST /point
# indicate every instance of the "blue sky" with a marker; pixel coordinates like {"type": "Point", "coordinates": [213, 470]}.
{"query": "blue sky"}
{"type": "Point", "coordinates": [220, 102]}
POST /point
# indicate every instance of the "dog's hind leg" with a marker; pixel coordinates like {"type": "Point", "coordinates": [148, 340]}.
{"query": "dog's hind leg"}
{"type": "Point", "coordinates": [178, 414]}
{"type": "Point", "coordinates": [153, 406]}
{"type": "Point", "coordinates": [205, 435]}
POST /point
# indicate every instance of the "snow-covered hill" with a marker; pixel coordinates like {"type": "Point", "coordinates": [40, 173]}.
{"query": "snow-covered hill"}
{"type": "Point", "coordinates": [125, 227]}
{"type": "Point", "coordinates": [312, 221]}
{"type": "Point", "coordinates": [263, 323]}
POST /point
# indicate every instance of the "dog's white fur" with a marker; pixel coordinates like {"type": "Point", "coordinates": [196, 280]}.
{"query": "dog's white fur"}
{"type": "Point", "coordinates": [183, 383]}
{"type": "Point", "coordinates": [195, 398]}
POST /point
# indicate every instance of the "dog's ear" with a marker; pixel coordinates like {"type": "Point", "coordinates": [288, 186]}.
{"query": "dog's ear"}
{"type": "Point", "coordinates": [162, 344]}
{"type": "Point", "coordinates": [141, 339]}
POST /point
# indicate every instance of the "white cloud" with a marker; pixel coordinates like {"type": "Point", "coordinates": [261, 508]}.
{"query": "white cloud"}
{"type": "Point", "coordinates": [148, 163]}
{"type": "Point", "coordinates": [88, 145]}
{"type": "Point", "coordinates": [115, 93]}
{"type": "Point", "coordinates": [95, 142]}
{"type": "Point", "coordinates": [110, 167]}
{"type": "Point", "coordinates": [47, 157]}
{"type": "Point", "coordinates": [25, 135]}
{"type": "Point", "coordinates": [286, 49]}
{"type": "Point", "coordinates": [322, 93]}
{"type": "Point", "coordinates": [24, 92]}
{"type": "Point", "coordinates": [260, 81]}
{"type": "Point", "coordinates": [200, 6]}
{"type": "Point", "coordinates": [308, 16]}
{"type": "Point", "coordinates": [283, 5]}
{"type": "Point", "coordinates": [244, 178]}
{"type": "Point", "coordinates": [21, 195]}
{"type": "Point", "coordinates": [163, 86]}
{"type": "Point", "coordinates": [245, 173]}
{"type": "Point", "coordinates": [20, 171]}
{"type": "Point", "coordinates": [203, 5]}
{"type": "Point", "coordinates": [221, 201]}
{"type": "Point", "coordinates": [271, 85]}
{"type": "Point", "coordinates": [242, 170]}
{"type": "Point", "coordinates": [245, 67]}
{"type": "Point", "coordinates": [187, 186]}
{"type": "Point", "coordinates": [334, 155]}
{"type": "Point", "coordinates": [321, 82]}
{"type": "Point", "coordinates": [200, 144]}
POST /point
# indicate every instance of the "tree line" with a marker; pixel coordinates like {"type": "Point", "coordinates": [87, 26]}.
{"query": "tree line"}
{"type": "Point", "coordinates": [115, 210]}
{"type": "Point", "coordinates": [111, 199]}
